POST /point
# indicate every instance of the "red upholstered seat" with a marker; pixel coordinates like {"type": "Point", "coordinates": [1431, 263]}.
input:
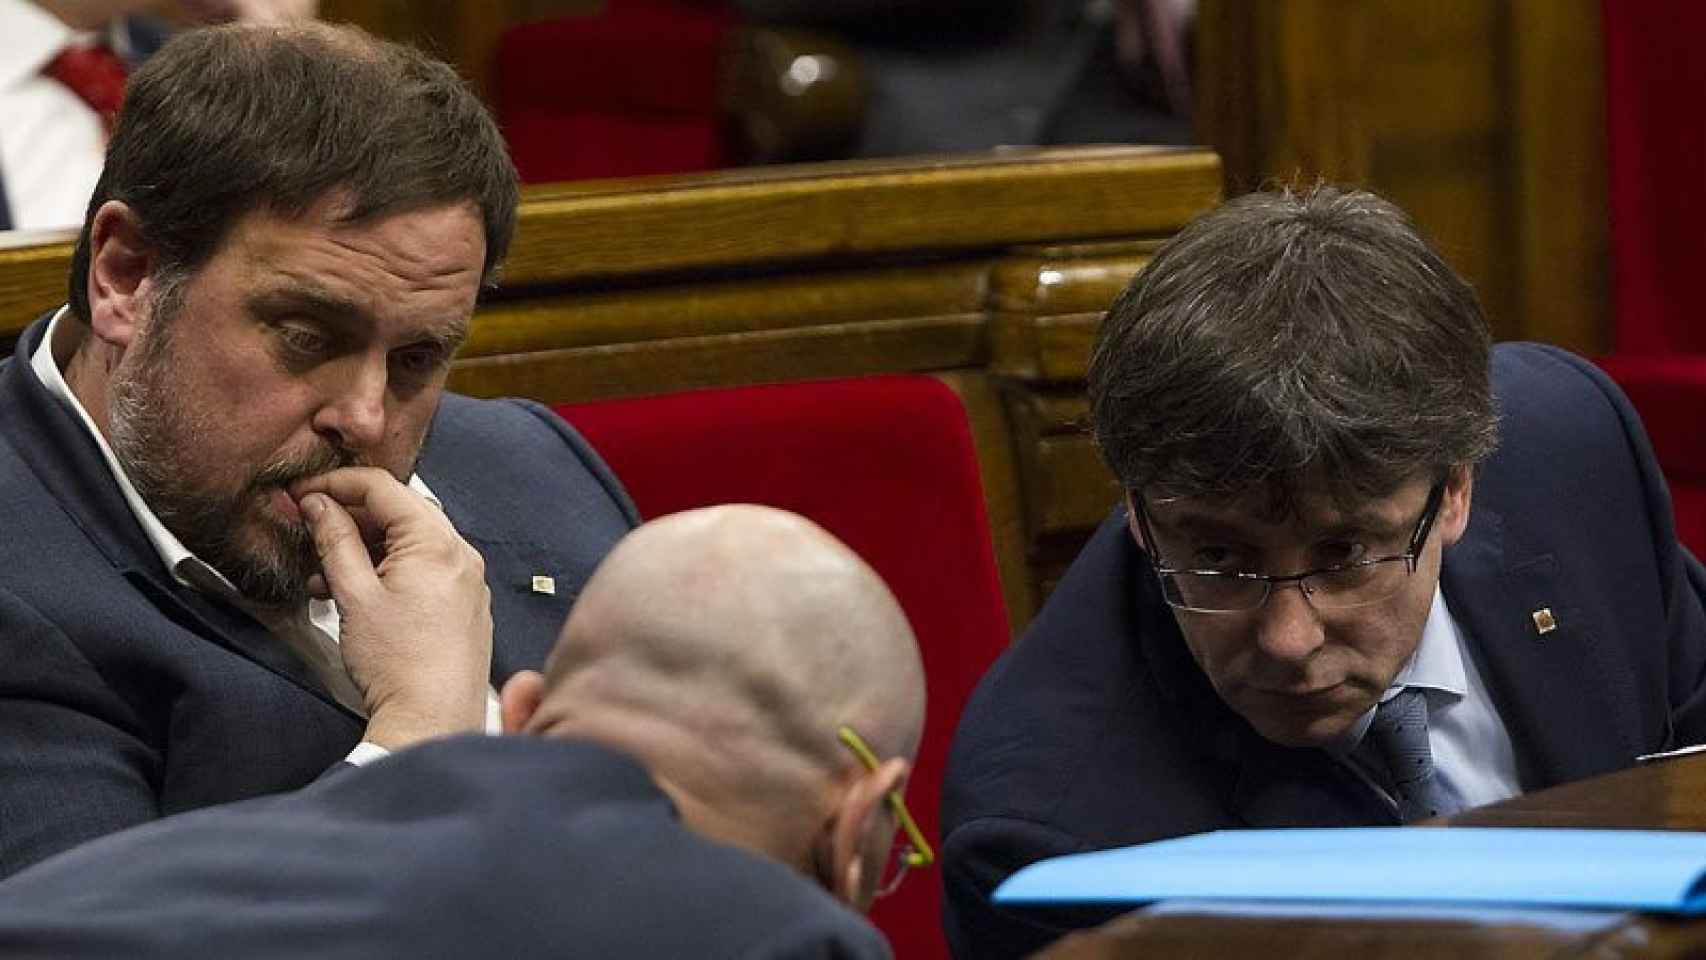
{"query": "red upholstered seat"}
{"type": "Point", "coordinates": [884, 463]}
{"type": "Point", "coordinates": [629, 91]}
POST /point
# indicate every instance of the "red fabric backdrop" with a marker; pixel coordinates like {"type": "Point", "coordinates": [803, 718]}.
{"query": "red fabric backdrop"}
{"type": "Point", "coordinates": [887, 465]}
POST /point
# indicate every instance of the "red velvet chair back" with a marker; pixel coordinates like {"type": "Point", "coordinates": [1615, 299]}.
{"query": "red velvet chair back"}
{"type": "Point", "coordinates": [1655, 77]}
{"type": "Point", "coordinates": [1656, 175]}
{"type": "Point", "coordinates": [627, 92]}
{"type": "Point", "coordinates": [884, 463]}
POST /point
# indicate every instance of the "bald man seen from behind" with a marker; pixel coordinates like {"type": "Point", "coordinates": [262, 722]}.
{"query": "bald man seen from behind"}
{"type": "Point", "coordinates": [681, 781]}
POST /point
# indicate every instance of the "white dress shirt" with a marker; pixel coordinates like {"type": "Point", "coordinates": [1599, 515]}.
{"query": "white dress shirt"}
{"type": "Point", "coordinates": [52, 145]}
{"type": "Point", "coordinates": [311, 631]}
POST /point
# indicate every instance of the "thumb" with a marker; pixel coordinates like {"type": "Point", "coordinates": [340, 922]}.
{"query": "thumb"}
{"type": "Point", "coordinates": [343, 554]}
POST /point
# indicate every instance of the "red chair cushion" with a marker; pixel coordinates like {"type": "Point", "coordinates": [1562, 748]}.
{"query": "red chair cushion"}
{"type": "Point", "coordinates": [549, 147]}
{"type": "Point", "coordinates": [630, 91]}
{"type": "Point", "coordinates": [884, 463]}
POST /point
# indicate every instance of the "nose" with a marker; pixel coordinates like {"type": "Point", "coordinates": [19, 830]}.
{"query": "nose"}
{"type": "Point", "coordinates": [1289, 629]}
{"type": "Point", "coordinates": [354, 413]}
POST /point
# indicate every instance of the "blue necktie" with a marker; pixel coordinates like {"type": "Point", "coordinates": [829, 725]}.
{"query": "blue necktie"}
{"type": "Point", "coordinates": [1398, 739]}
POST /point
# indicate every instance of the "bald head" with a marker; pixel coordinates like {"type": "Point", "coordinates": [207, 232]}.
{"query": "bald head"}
{"type": "Point", "coordinates": [724, 647]}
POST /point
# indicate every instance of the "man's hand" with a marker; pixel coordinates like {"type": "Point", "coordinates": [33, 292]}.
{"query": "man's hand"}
{"type": "Point", "coordinates": [416, 615]}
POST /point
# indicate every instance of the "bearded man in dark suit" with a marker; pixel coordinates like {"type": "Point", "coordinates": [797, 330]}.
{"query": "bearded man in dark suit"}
{"type": "Point", "coordinates": [282, 257]}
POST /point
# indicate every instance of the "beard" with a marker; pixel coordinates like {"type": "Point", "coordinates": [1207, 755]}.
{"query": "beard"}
{"type": "Point", "coordinates": [161, 442]}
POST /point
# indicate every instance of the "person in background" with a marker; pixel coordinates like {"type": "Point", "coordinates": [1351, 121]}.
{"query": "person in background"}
{"type": "Point", "coordinates": [63, 65]}
{"type": "Point", "coordinates": [966, 75]}
{"type": "Point", "coordinates": [1294, 618]}
{"type": "Point", "coordinates": [281, 258]}
{"type": "Point", "coordinates": [710, 766]}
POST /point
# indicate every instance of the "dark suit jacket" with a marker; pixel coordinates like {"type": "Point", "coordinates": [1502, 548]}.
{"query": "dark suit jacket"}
{"type": "Point", "coordinates": [124, 696]}
{"type": "Point", "coordinates": [467, 847]}
{"type": "Point", "coordinates": [1098, 730]}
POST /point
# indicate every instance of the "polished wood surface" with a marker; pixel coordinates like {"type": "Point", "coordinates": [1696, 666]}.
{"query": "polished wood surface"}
{"type": "Point", "coordinates": [1483, 120]}
{"type": "Point", "coordinates": [856, 209]}
{"type": "Point", "coordinates": [1670, 795]}
{"type": "Point", "coordinates": [990, 271]}
{"type": "Point", "coordinates": [1513, 935]}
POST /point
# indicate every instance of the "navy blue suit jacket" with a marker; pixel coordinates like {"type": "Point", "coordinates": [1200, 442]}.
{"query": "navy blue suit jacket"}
{"type": "Point", "coordinates": [1098, 730]}
{"type": "Point", "coordinates": [467, 847]}
{"type": "Point", "coordinates": [125, 696]}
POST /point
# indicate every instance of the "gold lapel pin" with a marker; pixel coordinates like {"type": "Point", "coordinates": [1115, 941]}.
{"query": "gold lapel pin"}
{"type": "Point", "coordinates": [548, 586]}
{"type": "Point", "coordinates": [1544, 621]}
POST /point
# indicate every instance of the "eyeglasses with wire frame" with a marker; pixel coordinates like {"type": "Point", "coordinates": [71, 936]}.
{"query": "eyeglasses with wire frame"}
{"type": "Point", "coordinates": [914, 851]}
{"type": "Point", "coordinates": [1338, 587]}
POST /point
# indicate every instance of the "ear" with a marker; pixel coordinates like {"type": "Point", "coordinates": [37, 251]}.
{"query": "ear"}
{"type": "Point", "coordinates": [520, 699]}
{"type": "Point", "coordinates": [120, 263]}
{"type": "Point", "coordinates": [1454, 508]}
{"type": "Point", "coordinates": [861, 832]}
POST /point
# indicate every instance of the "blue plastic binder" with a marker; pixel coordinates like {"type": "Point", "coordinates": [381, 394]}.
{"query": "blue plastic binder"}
{"type": "Point", "coordinates": [1649, 870]}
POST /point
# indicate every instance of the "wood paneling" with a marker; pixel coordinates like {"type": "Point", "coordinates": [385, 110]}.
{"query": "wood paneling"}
{"type": "Point", "coordinates": [1483, 120]}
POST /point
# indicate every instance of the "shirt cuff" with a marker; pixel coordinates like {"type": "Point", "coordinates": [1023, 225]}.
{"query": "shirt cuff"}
{"type": "Point", "coordinates": [365, 753]}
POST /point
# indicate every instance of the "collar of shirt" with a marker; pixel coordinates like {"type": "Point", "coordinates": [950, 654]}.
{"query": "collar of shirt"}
{"type": "Point", "coordinates": [54, 351]}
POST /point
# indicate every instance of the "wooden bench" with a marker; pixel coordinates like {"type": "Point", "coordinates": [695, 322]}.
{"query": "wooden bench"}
{"type": "Point", "coordinates": [990, 271]}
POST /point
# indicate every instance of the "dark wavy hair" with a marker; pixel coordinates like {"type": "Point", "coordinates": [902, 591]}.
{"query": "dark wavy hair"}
{"type": "Point", "coordinates": [1289, 342]}
{"type": "Point", "coordinates": [228, 120]}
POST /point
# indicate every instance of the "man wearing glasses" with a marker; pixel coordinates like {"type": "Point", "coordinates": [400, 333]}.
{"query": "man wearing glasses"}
{"type": "Point", "coordinates": [710, 766]}
{"type": "Point", "coordinates": [1294, 618]}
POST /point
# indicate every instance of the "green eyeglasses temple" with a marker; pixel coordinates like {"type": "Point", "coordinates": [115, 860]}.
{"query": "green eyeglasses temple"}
{"type": "Point", "coordinates": [920, 855]}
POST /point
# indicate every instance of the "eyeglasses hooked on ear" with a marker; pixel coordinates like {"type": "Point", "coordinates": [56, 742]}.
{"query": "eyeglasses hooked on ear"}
{"type": "Point", "coordinates": [911, 852]}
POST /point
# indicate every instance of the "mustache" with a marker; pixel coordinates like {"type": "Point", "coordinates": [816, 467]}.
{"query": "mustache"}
{"type": "Point", "coordinates": [287, 470]}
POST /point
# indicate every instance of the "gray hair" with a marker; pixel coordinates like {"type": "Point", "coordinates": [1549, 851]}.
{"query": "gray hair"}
{"type": "Point", "coordinates": [1293, 341]}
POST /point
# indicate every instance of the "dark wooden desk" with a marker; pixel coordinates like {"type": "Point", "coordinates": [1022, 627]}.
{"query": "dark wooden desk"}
{"type": "Point", "coordinates": [1666, 795]}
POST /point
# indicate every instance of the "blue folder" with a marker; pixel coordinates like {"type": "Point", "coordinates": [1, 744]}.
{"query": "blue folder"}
{"type": "Point", "coordinates": [1650, 870]}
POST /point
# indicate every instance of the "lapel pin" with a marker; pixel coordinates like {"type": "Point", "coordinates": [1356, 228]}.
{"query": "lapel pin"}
{"type": "Point", "coordinates": [548, 586]}
{"type": "Point", "coordinates": [1544, 621]}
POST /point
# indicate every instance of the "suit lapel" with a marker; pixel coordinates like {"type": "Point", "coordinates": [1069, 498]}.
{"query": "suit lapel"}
{"type": "Point", "coordinates": [1555, 692]}
{"type": "Point", "coordinates": [527, 612]}
{"type": "Point", "coordinates": [53, 443]}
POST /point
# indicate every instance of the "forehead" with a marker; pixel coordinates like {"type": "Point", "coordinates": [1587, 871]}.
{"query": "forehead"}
{"type": "Point", "coordinates": [396, 276]}
{"type": "Point", "coordinates": [424, 247]}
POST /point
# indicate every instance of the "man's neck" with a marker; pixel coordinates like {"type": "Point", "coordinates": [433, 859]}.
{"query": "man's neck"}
{"type": "Point", "coordinates": [88, 370]}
